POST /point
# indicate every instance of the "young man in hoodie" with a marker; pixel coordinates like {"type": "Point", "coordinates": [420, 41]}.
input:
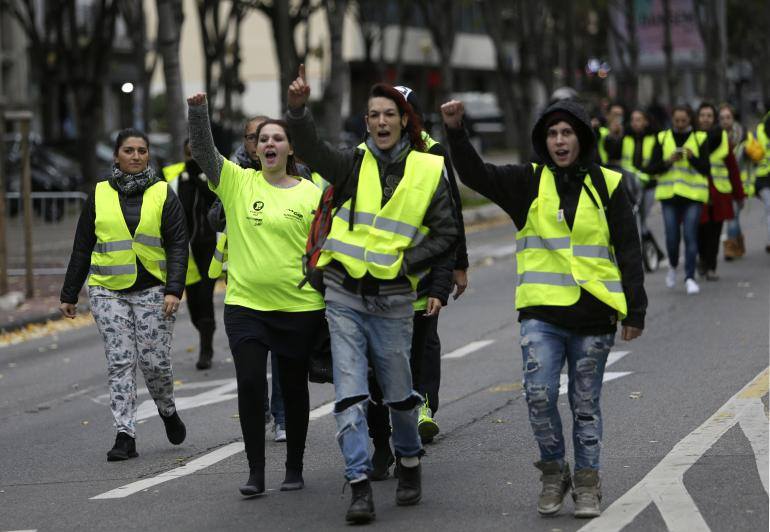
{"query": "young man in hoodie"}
{"type": "Point", "coordinates": [579, 270]}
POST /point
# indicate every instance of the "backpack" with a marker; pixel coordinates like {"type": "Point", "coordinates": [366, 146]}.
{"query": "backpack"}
{"type": "Point", "coordinates": [331, 201]}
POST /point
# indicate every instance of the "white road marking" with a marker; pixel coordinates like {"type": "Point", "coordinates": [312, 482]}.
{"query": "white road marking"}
{"type": "Point", "coordinates": [321, 411]}
{"type": "Point", "coordinates": [468, 349]}
{"type": "Point", "coordinates": [219, 394]}
{"type": "Point", "coordinates": [613, 357]}
{"type": "Point", "coordinates": [664, 485]}
{"type": "Point", "coordinates": [196, 465]}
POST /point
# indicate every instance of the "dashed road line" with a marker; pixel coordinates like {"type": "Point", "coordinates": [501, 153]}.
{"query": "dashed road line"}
{"type": "Point", "coordinates": [664, 485]}
{"type": "Point", "coordinates": [468, 349]}
{"type": "Point", "coordinates": [613, 357]}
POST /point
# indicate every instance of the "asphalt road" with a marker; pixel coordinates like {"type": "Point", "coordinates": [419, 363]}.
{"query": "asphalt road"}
{"type": "Point", "coordinates": [683, 449]}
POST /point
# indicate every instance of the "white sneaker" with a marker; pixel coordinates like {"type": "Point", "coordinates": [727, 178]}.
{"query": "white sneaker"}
{"type": "Point", "coordinates": [692, 287]}
{"type": "Point", "coordinates": [671, 278]}
{"type": "Point", "coordinates": [280, 433]}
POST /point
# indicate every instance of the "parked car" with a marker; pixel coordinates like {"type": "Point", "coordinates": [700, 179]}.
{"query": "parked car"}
{"type": "Point", "coordinates": [483, 118]}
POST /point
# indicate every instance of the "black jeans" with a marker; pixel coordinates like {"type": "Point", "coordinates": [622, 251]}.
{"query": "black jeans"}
{"type": "Point", "coordinates": [425, 361]}
{"type": "Point", "coordinates": [291, 335]}
{"type": "Point", "coordinates": [709, 235]}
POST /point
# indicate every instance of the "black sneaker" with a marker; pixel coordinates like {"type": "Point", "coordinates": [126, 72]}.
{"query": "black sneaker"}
{"type": "Point", "coordinates": [361, 510]}
{"type": "Point", "coordinates": [382, 459]}
{"type": "Point", "coordinates": [124, 448]}
{"type": "Point", "coordinates": [204, 359]}
{"type": "Point", "coordinates": [409, 490]}
{"type": "Point", "coordinates": [293, 480]}
{"type": "Point", "coordinates": [175, 429]}
{"type": "Point", "coordinates": [255, 485]}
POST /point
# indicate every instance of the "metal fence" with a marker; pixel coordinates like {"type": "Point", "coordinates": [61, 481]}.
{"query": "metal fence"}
{"type": "Point", "coordinates": [55, 217]}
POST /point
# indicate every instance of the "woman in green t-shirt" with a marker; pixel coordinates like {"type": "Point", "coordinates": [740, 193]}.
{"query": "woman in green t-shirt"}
{"type": "Point", "coordinates": [268, 219]}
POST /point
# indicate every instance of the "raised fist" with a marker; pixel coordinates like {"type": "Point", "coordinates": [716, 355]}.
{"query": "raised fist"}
{"type": "Point", "coordinates": [452, 112]}
{"type": "Point", "coordinates": [299, 90]}
{"type": "Point", "coordinates": [199, 98]}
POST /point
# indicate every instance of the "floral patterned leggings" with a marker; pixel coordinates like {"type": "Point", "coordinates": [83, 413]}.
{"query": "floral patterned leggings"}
{"type": "Point", "coordinates": [135, 332]}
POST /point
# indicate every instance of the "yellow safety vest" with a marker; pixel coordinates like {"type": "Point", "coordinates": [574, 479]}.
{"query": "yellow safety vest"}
{"type": "Point", "coordinates": [422, 302]}
{"type": "Point", "coordinates": [747, 166]}
{"type": "Point", "coordinates": [763, 168]}
{"type": "Point", "coordinates": [719, 172]}
{"type": "Point", "coordinates": [553, 262]}
{"type": "Point", "coordinates": [113, 259]}
{"type": "Point", "coordinates": [603, 133]}
{"type": "Point", "coordinates": [381, 233]}
{"type": "Point", "coordinates": [171, 173]}
{"type": "Point", "coordinates": [681, 179]}
{"type": "Point", "coordinates": [319, 181]}
{"type": "Point", "coordinates": [627, 155]}
{"type": "Point", "coordinates": [220, 257]}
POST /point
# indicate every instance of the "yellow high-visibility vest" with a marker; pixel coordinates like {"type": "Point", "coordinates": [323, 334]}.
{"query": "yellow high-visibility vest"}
{"type": "Point", "coordinates": [219, 260]}
{"type": "Point", "coordinates": [171, 173]}
{"type": "Point", "coordinates": [381, 233]}
{"type": "Point", "coordinates": [113, 259]}
{"type": "Point", "coordinates": [681, 179]}
{"type": "Point", "coordinates": [627, 155]}
{"type": "Point", "coordinates": [554, 262]}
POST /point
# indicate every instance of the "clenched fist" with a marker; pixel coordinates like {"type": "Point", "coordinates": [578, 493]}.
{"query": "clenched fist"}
{"type": "Point", "coordinates": [299, 90]}
{"type": "Point", "coordinates": [199, 98]}
{"type": "Point", "coordinates": [452, 112]}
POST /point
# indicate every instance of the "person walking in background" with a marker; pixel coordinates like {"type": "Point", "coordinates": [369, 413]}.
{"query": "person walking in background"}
{"type": "Point", "coordinates": [579, 267]}
{"type": "Point", "coordinates": [724, 188]}
{"type": "Point", "coordinates": [395, 221]}
{"type": "Point", "coordinates": [131, 238]}
{"type": "Point", "coordinates": [762, 184]}
{"type": "Point", "coordinates": [191, 186]}
{"type": "Point", "coordinates": [680, 164]}
{"type": "Point", "coordinates": [268, 219]}
{"type": "Point", "coordinates": [734, 244]}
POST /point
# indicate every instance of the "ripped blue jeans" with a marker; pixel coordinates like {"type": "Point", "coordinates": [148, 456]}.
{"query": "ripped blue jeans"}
{"type": "Point", "coordinates": [388, 342]}
{"type": "Point", "coordinates": [545, 348]}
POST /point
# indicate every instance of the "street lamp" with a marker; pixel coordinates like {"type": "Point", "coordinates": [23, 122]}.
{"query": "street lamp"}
{"type": "Point", "coordinates": [127, 87]}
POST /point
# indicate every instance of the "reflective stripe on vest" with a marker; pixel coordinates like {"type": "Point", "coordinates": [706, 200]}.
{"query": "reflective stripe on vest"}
{"type": "Point", "coordinates": [113, 259]}
{"type": "Point", "coordinates": [681, 179]}
{"type": "Point", "coordinates": [381, 233]}
{"type": "Point", "coordinates": [219, 259]}
{"type": "Point", "coordinates": [554, 262]}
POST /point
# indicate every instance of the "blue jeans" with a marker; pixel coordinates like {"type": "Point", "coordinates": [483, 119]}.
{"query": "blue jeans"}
{"type": "Point", "coordinates": [544, 349]}
{"type": "Point", "coordinates": [275, 406]}
{"type": "Point", "coordinates": [734, 226]}
{"type": "Point", "coordinates": [388, 342]}
{"type": "Point", "coordinates": [682, 211]}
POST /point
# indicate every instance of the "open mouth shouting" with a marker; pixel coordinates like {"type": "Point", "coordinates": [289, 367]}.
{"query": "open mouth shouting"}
{"type": "Point", "coordinates": [270, 157]}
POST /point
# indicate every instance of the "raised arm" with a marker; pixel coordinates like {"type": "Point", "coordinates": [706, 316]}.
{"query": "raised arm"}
{"type": "Point", "coordinates": [201, 141]}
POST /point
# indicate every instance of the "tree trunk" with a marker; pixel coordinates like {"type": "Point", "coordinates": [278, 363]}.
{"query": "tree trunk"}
{"type": "Point", "coordinates": [170, 19]}
{"type": "Point", "coordinates": [669, 54]}
{"type": "Point", "coordinates": [339, 73]}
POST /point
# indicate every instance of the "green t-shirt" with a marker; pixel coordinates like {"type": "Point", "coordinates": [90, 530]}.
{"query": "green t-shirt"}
{"type": "Point", "coordinates": [267, 230]}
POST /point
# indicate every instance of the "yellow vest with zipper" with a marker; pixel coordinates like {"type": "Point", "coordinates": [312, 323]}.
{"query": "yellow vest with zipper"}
{"type": "Point", "coordinates": [172, 173]}
{"type": "Point", "coordinates": [381, 233]}
{"type": "Point", "coordinates": [554, 262]}
{"type": "Point", "coordinates": [421, 303]}
{"type": "Point", "coordinates": [627, 155]}
{"type": "Point", "coordinates": [763, 167]}
{"type": "Point", "coordinates": [681, 179]}
{"type": "Point", "coordinates": [113, 259]}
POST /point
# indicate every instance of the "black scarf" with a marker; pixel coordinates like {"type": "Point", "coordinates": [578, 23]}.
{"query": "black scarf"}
{"type": "Point", "coordinates": [133, 184]}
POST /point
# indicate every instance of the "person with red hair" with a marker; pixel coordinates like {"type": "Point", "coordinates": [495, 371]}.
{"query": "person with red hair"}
{"type": "Point", "coordinates": [393, 221]}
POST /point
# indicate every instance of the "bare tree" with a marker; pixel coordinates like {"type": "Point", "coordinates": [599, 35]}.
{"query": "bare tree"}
{"type": "Point", "coordinates": [170, 20]}
{"type": "Point", "coordinates": [338, 72]}
{"type": "Point", "coordinates": [144, 56]}
{"type": "Point", "coordinates": [668, 52]}
{"type": "Point", "coordinates": [622, 26]}
{"type": "Point", "coordinates": [712, 26]}
{"type": "Point", "coordinates": [439, 17]}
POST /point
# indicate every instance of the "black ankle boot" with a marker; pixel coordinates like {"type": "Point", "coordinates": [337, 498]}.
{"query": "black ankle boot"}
{"type": "Point", "coordinates": [175, 429]}
{"type": "Point", "coordinates": [293, 480]}
{"type": "Point", "coordinates": [256, 483]}
{"type": "Point", "coordinates": [409, 490]}
{"type": "Point", "coordinates": [382, 459]}
{"type": "Point", "coordinates": [124, 448]}
{"type": "Point", "coordinates": [206, 353]}
{"type": "Point", "coordinates": [361, 508]}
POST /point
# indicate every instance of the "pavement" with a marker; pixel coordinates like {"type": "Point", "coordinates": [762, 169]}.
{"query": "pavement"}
{"type": "Point", "coordinates": [684, 410]}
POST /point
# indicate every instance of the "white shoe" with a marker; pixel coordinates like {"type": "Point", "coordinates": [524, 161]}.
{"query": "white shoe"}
{"type": "Point", "coordinates": [280, 434]}
{"type": "Point", "coordinates": [671, 278]}
{"type": "Point", "coordinates": [692, 287]}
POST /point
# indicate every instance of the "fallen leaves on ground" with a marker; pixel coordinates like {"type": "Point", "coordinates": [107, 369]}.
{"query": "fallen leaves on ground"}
{"type": "Point", "coordinates": [39, 330]}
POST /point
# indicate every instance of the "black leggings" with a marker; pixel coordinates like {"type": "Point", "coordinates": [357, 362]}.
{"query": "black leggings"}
{"type": "Point", "coordinates": [252, 334]}
{"type": "Point", "coordinates": [200, 303]}
{"type": "Point", "coordinates": [709, 236]}
{"type": "Point", "coordinates": [250, 367]}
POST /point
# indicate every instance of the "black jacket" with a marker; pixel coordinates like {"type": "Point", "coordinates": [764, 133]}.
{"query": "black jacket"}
{"type": "Point", "coordinates": [338, 167]}
{"type": "Point", "coordinates": [514, 187]}
{"type": "Point", "coordinates": [173, 235]}
{"type": "Point", "coordinates": [196, 199]}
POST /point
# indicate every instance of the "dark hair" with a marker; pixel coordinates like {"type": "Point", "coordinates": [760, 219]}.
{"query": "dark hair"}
{"type": "Point", "coordinates": [413, 126]}
{"type": "Point", "coordinates": [291, 163]}
{"type": "Point", "coordinates": [260, 118]}
{"type": "Point", "coordinates": [128, 133]}
{"type": "Point", "coordinates": [686, 109]}
{"type": "Point", "coordinates": [708, 105]}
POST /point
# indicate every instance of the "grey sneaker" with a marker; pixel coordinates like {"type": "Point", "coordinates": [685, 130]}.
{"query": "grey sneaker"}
{"type": "Point", "coordinates": [556, 483]}
{"type": "Point", "coordinates": [587, 493]}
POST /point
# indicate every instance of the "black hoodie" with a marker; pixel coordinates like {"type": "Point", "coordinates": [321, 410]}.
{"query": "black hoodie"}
{"type": "Point", "coordinates": [514, 187]}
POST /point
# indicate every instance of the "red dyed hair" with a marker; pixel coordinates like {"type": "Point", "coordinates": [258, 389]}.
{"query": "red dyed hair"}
{"type": "Point", "coordinates": [413, 124]}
